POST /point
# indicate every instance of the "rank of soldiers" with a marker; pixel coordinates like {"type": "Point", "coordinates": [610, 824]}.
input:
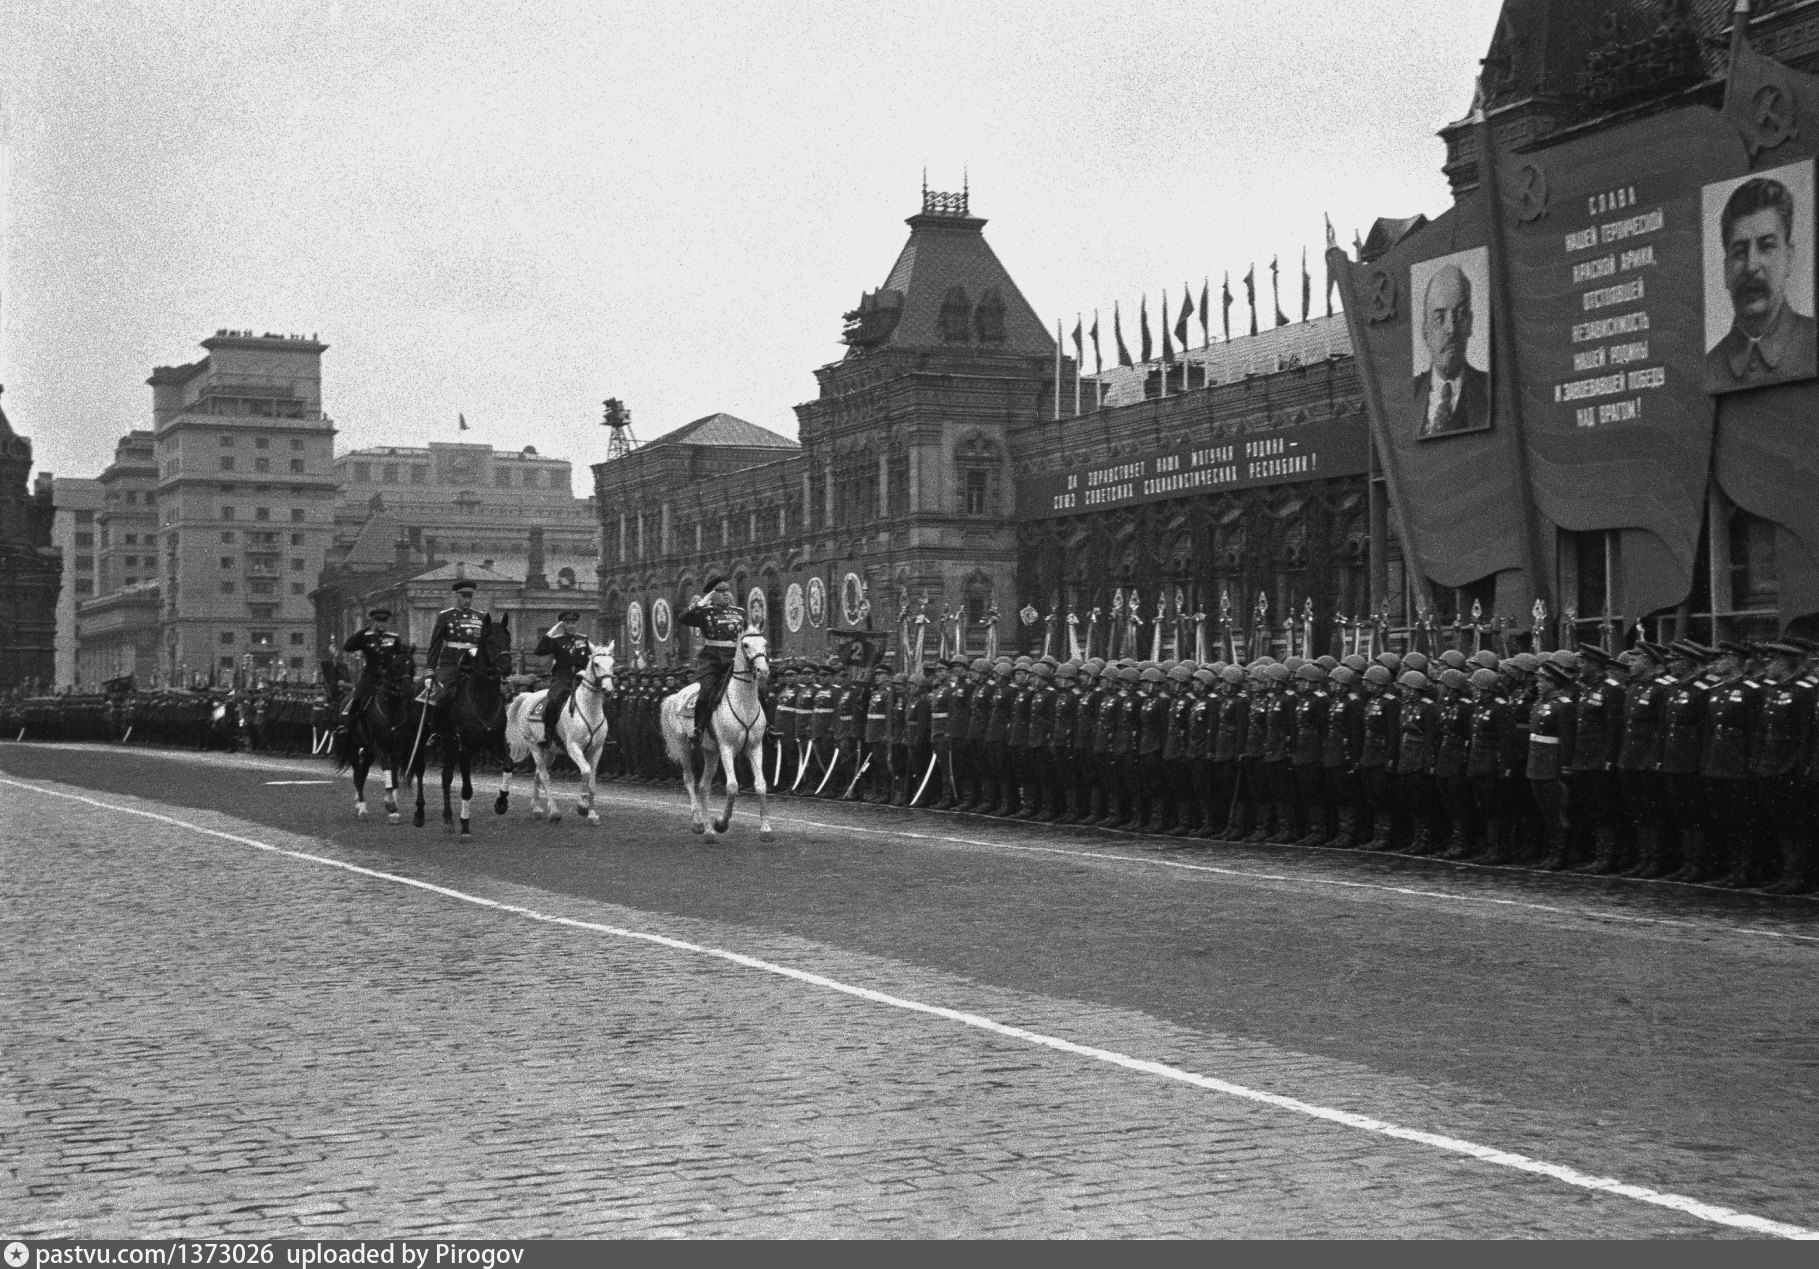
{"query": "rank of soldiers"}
{"type": "Point", "coordinates": [1681, 761]}
{"type": "Point", "coordinates": [1689, 762]}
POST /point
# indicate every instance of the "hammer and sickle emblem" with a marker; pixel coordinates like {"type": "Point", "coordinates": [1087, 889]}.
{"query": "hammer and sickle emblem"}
{"type": "Point", "coordinates": [1531, 193]}
{"type": "Point", "coordinates": [1380, 304]}
{"type": "Point", "coordinates": [1772, 112]}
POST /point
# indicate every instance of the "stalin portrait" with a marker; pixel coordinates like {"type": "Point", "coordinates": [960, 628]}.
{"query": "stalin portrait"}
{"type": "Point", "coordinates": [1767, 277]}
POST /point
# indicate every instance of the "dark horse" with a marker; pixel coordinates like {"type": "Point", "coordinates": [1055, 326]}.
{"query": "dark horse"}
{"type": "Point", "coordinates": [372, 734]}
{"type": "Point", "coordinates": [468, 721]}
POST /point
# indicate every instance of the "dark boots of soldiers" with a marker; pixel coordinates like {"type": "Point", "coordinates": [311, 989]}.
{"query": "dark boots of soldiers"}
{"type": "Point", "coordinates": [1796, 869]}
{"type": "Point", "coordinates": [1285, 825]}
{"type": "Point", "coordinates": [1095, 808]}
{"type": "Point", "coordinates": [1605, 858]}
{"type": "Point", "coordinates": [1456, 846]}
{"type": "Point", "coordinates": [1185, 819]}
{"type": "Point", "coordinates": [1027, 799]}
{"type": "Point", "coordinates": [1496, 842]}
{"type": "Point", "coordinates": [1345, 833]}
{"type": "Point", "coordinates": [1742, 874]}
{"type": "Point", "coordinates": [1262, 822]}
{"type": "Point", "coordinates": [1067, 809]}
{"type": "Point", "coordinates": [1422, 842]}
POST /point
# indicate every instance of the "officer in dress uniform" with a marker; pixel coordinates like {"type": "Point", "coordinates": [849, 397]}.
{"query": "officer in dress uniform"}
{"type": "Point", "coordinates": [1416, 751]}
{"type": "Point", "coordinates": [571, 651]}
{"type": "Point", "coordinates": [1776, 753]}
{"type": "Point", "coordinates": [1551, 720]}
{"type": "Point", "coordinates": [1732, 704]}
{"type": "Point", "coordinates": [377, 643]}
{"type": "Point", "coordinates": [1641, 784]}
{"type": "Point", "coordinates": [721, 621]}
{"type": "Point", "coordinates": [1313, 703]}
{"type": "Point", "coordinates": [456, 637]}
{"type": "Point", "coordinates": [1487, 724]}
{"type": "Point", "coordinates": [1452, 745]}
{"type": "Point", "coordinates": [1598, 736]}
{"type": "Point", "coordinates": [1064, 725]}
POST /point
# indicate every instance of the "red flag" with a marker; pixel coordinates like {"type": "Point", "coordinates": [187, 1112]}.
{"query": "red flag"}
{"type": "Point", "coordinates": [1307, 287]}
{"type": "Point", "coordinates": [1187, 311]}
{"type": "Point", "coordinates": [1250, 293]}
{"type": "Point", "coordinates": [1226, 307]}
{"type": "Point", "coordinates": [1206, 311]}
{"type": "Point", "coordinates": [461, 422]}
{"type": "Point", "coordinates": [1098, 361]}
{"type": "Point", "coordinates": [1168, 347]}
{"type": "Point", "coordinates": [1143, 327]}
{"type": "Point", "coordinates": [1124, 354]}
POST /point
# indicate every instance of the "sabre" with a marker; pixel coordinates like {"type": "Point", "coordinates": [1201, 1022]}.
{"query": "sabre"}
{"type": "Point", "coordinates": [129, 734]}
{"type": "Point", "coordinates": [777, 766]}
{"type": "Point", "coordinates": [829, 773]}
{"type": "Point", "coordinates": [933, 758]}
{"type": "Point", "coordinates": [863, 767]}
{"type": "Point", "coordinates": [803, 750]}
{"type": "Point", "coordinates": [421, 719]}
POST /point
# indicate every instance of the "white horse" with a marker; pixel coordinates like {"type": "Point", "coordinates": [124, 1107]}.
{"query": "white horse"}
{"type": "Point", "coordinates": [581, 731]}
{"type": "Point", "coordinates": [737, 727]}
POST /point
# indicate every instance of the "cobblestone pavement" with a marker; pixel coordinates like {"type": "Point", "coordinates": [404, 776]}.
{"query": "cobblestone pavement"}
{"type": "Point", "coordinates": [202, 1037]}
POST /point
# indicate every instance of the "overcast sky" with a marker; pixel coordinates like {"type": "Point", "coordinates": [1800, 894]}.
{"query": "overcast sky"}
{"type": "Point", "coordinates": [513, 210]}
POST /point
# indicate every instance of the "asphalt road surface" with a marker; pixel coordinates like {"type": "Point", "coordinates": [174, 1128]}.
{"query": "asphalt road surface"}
{"type": "Point", "coordinates": [232, 1008]}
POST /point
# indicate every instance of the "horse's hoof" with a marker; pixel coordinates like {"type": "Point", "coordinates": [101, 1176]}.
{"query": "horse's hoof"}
{"type": "Point", "coordinates": [720, 826]}
{"type": "Point", "coordinates": [593, 817]}
{"type": "Point", "coordinates": [465, 831]}
{"type": "Point", "coordinates": [499, 804]}
{"type": "Point", "coordinates": [765, 835]}
{"type": "Point", "coordinates": [555, 817]}
{"type": "Point", "coordinates": [394, 818]}
{"type": "Point", "coordinates": [539, 813]}
{"type": "Point", "coordinates": [700, 828]}
{"type": "Point", "coordinates": [417, 819]}
{"type": "Point", "coordinates": [359, 810]}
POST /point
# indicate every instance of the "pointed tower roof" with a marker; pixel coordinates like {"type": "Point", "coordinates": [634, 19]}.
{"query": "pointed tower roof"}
{"type": "Point", "coordinates": [724, 429]}
{"type": "Point", "coordinates": [948, 290]}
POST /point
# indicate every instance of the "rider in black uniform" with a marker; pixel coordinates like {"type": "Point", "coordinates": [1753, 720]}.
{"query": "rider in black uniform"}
{"type": "Point", "coordinates": [377, 644]}
{"type": "Point", "coordinates": [456, 637]}
{"type": "Point", "coordinates": [720, 621]}
{"type": "Point", "coordinates": [571, 651]}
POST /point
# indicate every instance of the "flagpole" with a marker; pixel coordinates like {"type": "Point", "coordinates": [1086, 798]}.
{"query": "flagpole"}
{"type": "Point", "coordinates": [1057, 370]}
{"type": "Point", "coordinates": [1079, 360]}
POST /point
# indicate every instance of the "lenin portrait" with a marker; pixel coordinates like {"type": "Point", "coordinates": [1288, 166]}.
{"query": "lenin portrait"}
{"type": "Point", "coordinates": [1759, 326]}
{"type": "Point", "coordinates": [1452, 336]}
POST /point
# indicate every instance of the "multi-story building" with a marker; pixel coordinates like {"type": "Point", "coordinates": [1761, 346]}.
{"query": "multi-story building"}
{"type": "Point", "coordinates": [29, 570]}
{"type": "Point", "coordinates": [409, 516]}
{"type": "Point", "coordinates": [76, 503]}
{"type": "Point", "coordinates": [245, 503]}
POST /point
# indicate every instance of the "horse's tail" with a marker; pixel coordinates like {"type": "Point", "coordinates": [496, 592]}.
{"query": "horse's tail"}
{"type": "Point", "coordinates": [346, 748]}
{"type": "Point", "coordinates": [677, 714]}
{"type": "Point", "coordinates": [518, 739]}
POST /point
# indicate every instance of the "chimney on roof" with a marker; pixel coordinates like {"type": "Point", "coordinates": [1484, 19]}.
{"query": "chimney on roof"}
{"type": "Point", "coordinates": [534, 578]}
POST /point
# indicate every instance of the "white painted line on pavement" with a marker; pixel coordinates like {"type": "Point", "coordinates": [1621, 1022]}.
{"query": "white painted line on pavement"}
{"type": "Point", "coordinates": [1488, 1154]}
{"type": "Point", "coordinates": [299, 781]}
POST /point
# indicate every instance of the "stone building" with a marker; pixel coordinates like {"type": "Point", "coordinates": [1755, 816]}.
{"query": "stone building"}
{"type": "Point", "coordinates": [76, 502]}
{"type": "Point", "coordinates": [29, 569]}
{"type": "Point", "coordinates": [245, 504]}
{"type": "Point", "coordinates": [935, 479]}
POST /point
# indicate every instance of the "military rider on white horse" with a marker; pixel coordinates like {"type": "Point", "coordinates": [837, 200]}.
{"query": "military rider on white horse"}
{"type": "Point", "coordinates": [571, 651]}
{"type": "Point", "coordinates": [721, 621]}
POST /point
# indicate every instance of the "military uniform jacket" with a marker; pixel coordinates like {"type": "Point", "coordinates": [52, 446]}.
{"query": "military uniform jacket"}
{"type": "Point", "coordinates": [1233, 728]}
{"type": "Point", "coordinates": [1202, 727]}
{"type": "Point", "coordinates": [878, 718]}
{"type": "Point", "coordinates": [1550, 727]}
{"type": "Point", "coordinates": [1598, 728]}
{"type": "Point", "coordinates": [1086, 719]}
{"type": "Point", "coordinates": [1279, 727]}
{"type": "Point", "coordinates": [571, 652]}
{"type": "Point", "coordinates": [1382, 731]}
{"type": "Point", "coordinates": [980, 717]}
{"type": "Point", "coordinates": [458, 626]}
{"type": "Point", "coordinates": [849, 706]}
{"type": "Point", "coordinates": [720, 630]}
{"type": "Point", "coordinates": [1105, 721]}
{"type": "Point", "coordinates": [821, 724]}
{"type": "Point", "coordinates": [900, 714]}
{"type": "Point", "coordinates": [1419, 742]}
{"type": "Point", "coordinates": [1180, 710]}
{"type": "Point", "coordinates": [1310, 728]}
{"type": "Point", "coordinates": [1730, 719]}
{"type": "Point", "coordinates": [1256, 725]}
{"type": "Point", "coordinates": [1152, 724]}
{"type": "Point", "coordinates": [1514, 764]}
{"type": "Point", "coordinates": [1452, 737]}
{"type": "Point", "coordinates": [1041, 716]}
{"type": "Point", "coordinates": [1065, 717]}
{"type": "Point", "coordinates": [1781, 730]}
{"type": "Point", "coordinates": [376, 648]}
{"type": "Point", "coordinates": [786, 712]}
{"type": "Point", "coordinates": [1488, 726]}
{"type": "Point", "coordinates": [918, 719]}
{"type": "Point", "coordinates": [998, 723]}
{"type": "Point", "coordinates": [1124, 722]}
{"type": "Point", "coordinates": [1344, 739]}
{"type": "Point", "coordinates": [940, 712]}
{"type": "Point", "coordinates": [1017, 731]}
{"type": "Point", "coordinates": [1682, 727]}
{"type": "Point", "coordinates": [1640, 748]}
{"type": "Point", "coordinates": [959, 709]}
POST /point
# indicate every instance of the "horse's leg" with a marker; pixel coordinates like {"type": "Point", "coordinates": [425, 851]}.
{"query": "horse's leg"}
{"type": "Point", "coordinates": [361, 763]}
{"type": "Point", "coordinates": [448, 778]}
{"type": "Point", "coordinates": [697, 787]}
{"type": "Point", "coordinates": [763, 790]}
{"type": "Point", "coordinates": [732, 784]}
{"type": "Point", "coordinates": [467, 791]}
{"type": "Point", "coordinates": [546, 771]}
{"type": "Point", "coordinates": [584, 756]}
{"type": "Point", "coordinates": [505, 785]}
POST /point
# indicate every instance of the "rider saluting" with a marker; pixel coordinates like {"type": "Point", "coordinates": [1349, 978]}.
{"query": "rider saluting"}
{"type": "Point", "coordinates": [721, 622]}
{"type": "Point", "coordinates": [571, 651]}
{"type": "Point", "coordinates": [456, 637]}
{"type": "Point", "coordinates": [376, 643]}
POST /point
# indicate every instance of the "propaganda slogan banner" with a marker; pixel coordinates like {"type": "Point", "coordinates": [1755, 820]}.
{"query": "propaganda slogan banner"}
{"type": "Point", "coordinates": [1606, 238]}
{"type": "Point", "coordinates": [1766, 457]}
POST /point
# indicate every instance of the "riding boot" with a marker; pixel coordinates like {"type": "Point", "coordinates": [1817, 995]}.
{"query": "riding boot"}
{"type": "Point", "coordinates": [1026, 802]}
{"type": "Point", "coordinates": [1422, 842]}
{"type": "Point", "coordinates": [1285, 825]}
{"type": "Point", "coordinates": [1067, 804]}
{"type": "Point", "coordinates": [1263, 823]}
{"type": "Point", "coordinates": [1456, 846]}
{"type": "Point", "coordinates": [1496, 843]}
{"type": "Point", "coordinates": [1741, 875]}
{"type": "Point", "coordinates": [1186, 820]}
{"type": "Point", "coordinates": [1094, 803]}
{"type": "Point", "coordinates": [1796, 868]}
